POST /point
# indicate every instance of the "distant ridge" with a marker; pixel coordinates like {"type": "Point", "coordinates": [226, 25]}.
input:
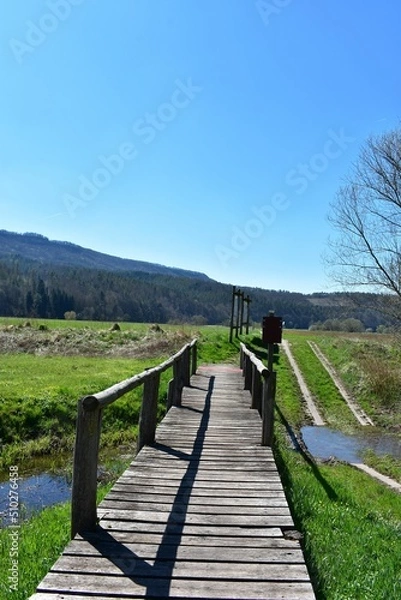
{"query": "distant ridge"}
{"type": "Point", "coordinates": [38, 248]}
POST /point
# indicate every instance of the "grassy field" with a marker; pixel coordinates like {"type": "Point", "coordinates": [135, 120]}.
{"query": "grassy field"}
{"type": "Point", "coordinates": [351, 525]}
{"type": "Point", "coordinates": [46, 367]}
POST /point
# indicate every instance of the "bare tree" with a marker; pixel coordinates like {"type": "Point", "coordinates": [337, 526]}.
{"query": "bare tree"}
{"type": "Point", "coordinates": [366, 216]}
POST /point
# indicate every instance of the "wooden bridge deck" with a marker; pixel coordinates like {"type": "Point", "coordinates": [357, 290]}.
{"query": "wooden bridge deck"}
{"type": "Point", "coordinates": [199, 514]}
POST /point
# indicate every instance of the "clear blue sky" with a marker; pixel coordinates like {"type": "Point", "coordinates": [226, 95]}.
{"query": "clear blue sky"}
{"type": "Point", "coordinates": [209, 135]}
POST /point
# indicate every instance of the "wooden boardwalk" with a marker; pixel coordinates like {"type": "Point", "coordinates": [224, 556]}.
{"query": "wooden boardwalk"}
{"type": "Point", "coordinates": [200, 514]}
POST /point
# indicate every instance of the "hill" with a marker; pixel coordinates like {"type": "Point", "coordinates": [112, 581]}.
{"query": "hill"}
{"type": "Point", "coordinates": [46, 279]}
{"type": "Point", "coordinates": [36, 247]}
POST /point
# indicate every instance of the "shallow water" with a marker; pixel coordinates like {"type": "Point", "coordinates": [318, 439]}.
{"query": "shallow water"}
{"type": "Point", "coordinates": [32, 493]}
{"type": "Point", "coordinates": [324, 443]}
{"type": "Point", "coordinates": [46, 481]}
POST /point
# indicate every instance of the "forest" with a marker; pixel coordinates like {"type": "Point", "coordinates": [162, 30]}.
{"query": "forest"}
{"type": "Point", "coordinates": [29, 289]}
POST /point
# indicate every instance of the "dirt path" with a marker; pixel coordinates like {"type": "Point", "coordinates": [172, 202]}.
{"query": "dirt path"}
{"type": "Point", "coordinates": [356, 410]}
{"type": "Point", "coordinates": [310, 404]}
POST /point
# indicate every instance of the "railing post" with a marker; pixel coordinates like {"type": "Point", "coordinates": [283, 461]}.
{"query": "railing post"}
{"type": "Point", "coordinates": [241, 357]}
{"type": "Point", "coordinates": [256, 388]}
{"type": "Point", "coordinates": [148, 416]}
{"type": "Point", "coordinates": [194, 358]}
{"type": "Point", "coordinates": [186, 365]}
{"type": "Point", "coordinates": [177, 378]}
{"type": "Point", "coordinates": [269, 393]}
{"type": "Point", "coordinates": [170, 394]}
{"type": "Point", "coordinates": [248, 373]}
{"type": "Point", "coordinates": [84, 483]}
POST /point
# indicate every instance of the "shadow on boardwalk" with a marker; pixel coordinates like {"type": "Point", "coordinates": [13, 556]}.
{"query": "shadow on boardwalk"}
{"type": "Point", "coordinates": [156, 578]}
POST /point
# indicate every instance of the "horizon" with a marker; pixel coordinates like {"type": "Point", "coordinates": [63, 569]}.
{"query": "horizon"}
{"type": "Point", "coordinates": [211, 136]}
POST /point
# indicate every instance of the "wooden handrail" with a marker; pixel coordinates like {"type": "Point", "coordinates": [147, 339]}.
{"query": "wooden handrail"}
{"type": "Point", "coordinates": [262, 384]}
{"type": "Point", "coordinates": [84, 482]}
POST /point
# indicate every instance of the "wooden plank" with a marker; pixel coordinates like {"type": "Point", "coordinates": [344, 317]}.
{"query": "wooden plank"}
{"type": "Point", "coordinates": [276, 551]}
{"type": "Point", "coordinates": [166, 587]}
{"type": "Point", "coordinates": [213, 569]}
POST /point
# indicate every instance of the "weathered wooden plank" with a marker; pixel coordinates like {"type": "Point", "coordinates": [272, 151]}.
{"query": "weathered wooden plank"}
{"type": "Point", "coordinates": [132, 565]}
{"type": "Point", "coordinates": [269, 538]}
{"type": "Point", "coordinates": [161, 501]}
{"type": "Point", "coordinates": [190, 508]}
{"type": "Point", "coordinates": [276, 551]}
{"type": "Point", "coordinates": [229, 491]}
{"type": "Point", "coordinates": [196, 590]}
{"type": "Point", "coordinates": [112, 525]}
{"type": "Point", "coordinates": [280, 518]}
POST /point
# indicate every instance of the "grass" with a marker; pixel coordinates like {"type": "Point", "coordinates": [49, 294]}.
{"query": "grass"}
{"type": "Point", "coordinates": [326, 396]}
{"type": "Point", "coordinates": [351, 524]}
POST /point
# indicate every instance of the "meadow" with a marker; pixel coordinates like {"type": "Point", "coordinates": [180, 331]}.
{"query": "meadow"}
{"type": "Point", "coordinates": [350, 523]}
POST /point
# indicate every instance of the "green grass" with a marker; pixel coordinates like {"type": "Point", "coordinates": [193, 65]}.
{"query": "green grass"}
{"type": "Point", "coordinates": [330, 403]}
{"type": "Point", "coordinates": [351, 524]}
{"type": "Point", "coordinates": [39, 398]}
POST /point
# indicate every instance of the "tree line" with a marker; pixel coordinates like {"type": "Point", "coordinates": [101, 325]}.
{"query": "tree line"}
{"type": "Point", "coordinates": [29, 290]}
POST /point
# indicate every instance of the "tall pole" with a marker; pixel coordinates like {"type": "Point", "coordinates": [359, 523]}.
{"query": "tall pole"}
{"type": "Point", "coordinates": [232, 315]}
{"type": "Point", "coordinates": [238, 294]}
{"type": "Point", "coordinates": [241, 300]}
{"type": "Point", "coordinates": [247, 300]}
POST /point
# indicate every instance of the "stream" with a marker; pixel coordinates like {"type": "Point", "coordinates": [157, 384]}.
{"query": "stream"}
{"type": "Point", "coordinates": [324, 443]}
{"type": "Point", "coordinates": [44, 483]}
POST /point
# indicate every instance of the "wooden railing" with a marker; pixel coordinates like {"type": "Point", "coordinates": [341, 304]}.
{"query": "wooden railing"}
{"type": "Point", "coordinates": [84, 483]}
{"type": "Point", "coordinates": [262, 384]}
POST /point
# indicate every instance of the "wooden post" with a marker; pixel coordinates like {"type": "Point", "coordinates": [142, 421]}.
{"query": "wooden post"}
{"type": "Point", "coordinates": [270, 357]}
{"type": "Point", "coordinates": [237, 315]}
{"type": "Point", "coordinates": [170, 394]}
{"type": "Point", "coordinates": [248, 373]}
{"type": "Point", "coordinates": [248, 301]}
{"type": "Point", "coordinates": [178, 378]}
{"type": "Point", "coordinates": [232, 315]}
{"type": "Point", "coordinates": [269, 393]}
{"type": "Point", "coordinates": [186, 366]}
{"type": "Point", "coordinates": [194, 360]}
{"type": "Point", "coordinates": [84, 483]}
{"type": "Point", "coordinates": [148, 416]}
{"type": "Point", "coordinates": [241, 309]}
{"type": "Point", "coordinates": [256, 388]}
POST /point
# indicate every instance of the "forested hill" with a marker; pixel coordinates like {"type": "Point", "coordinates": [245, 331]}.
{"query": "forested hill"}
{"type": "Point", "coordinates": [35, 247]}
{"type": "Point", "coordinates": [48, 283]}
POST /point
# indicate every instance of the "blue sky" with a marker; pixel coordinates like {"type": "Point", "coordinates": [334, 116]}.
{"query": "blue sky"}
{"type": "Point", "coordinates": [205, 135]}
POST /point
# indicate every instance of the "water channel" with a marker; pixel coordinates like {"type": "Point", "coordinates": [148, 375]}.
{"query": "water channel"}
{"type": "Point", "coordinates": [46, 483]}
{"type": "Point", "coordinates": [325, 443]}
